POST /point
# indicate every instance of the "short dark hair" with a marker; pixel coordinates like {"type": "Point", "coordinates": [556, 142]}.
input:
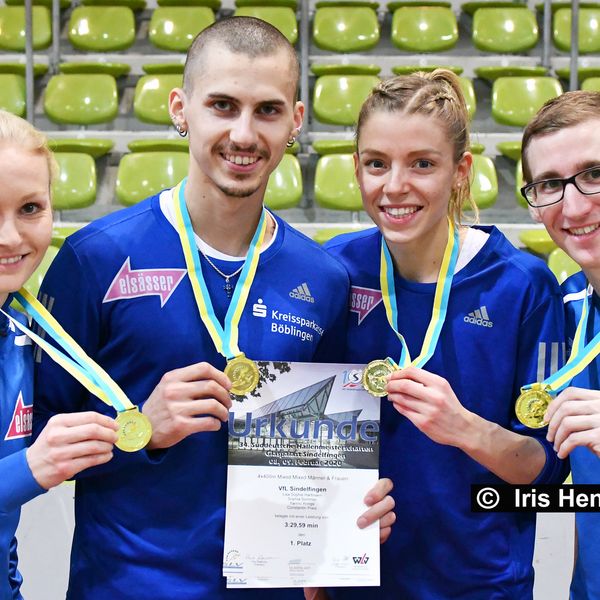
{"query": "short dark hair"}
{"type": "Point", "coordinates": [567, 110]}
{"type": "Point", "coordinates": [241, 35]}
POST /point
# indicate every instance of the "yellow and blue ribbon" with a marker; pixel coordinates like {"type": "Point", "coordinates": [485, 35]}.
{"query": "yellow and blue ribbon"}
{"type": "Point", "coordinates": [582, 354]}
{"type": "Point", "coordinates": [224, 338]}
{"type": "Point", "coordinates": [73, 357]}
{"type": "Point", "coordinates": [440, 300]}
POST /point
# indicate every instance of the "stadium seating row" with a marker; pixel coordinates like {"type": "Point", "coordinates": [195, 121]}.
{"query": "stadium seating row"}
{"type": "Point", "coordinates": [429, 26]}
{"type": "Point", "coordinates": [78, 98]}
{"type": "Point", "coordinates": [153, 166]}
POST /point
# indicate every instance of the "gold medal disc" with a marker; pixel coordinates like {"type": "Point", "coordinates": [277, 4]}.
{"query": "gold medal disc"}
{"type": "Point", "coordinates": [531, 407]}
{"type": "Point", "coordinates": [374, 378]}
{"type": "Point", "coordinates": [135, 430]}
{"type": "Point", "coordinates": [243, 374]}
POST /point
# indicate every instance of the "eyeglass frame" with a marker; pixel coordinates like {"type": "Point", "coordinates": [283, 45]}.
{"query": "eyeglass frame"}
{"type": "Point", "coordinates": [564, 182]}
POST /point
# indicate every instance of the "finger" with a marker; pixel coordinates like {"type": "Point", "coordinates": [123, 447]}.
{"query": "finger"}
{"type": "Point", "coordinates": [381, 489]}
{"type": "Point", "coordinates": [568, 409]}
{"type": "Point", "coordinates": [387, 520]}
{"type": "Point", "coordinates": [86, 462]}
{"type": "Point", "coordinates": [57, 434]}
{"type": "Point", "coordinates": [376, 512]}
{"type": "Point", "coordinates": [418, 376]}
{"type": "Point", "coordinates": [83, 418]}
{"type": "Point", "coordinates": [207, 389]}
{"type": "Point", "coordinates": [409, 388]}
{"type": "Point", "coordinates": [384, 534]}
{"type": "Point", "coordinates": [579, 438]}
{"type": "Point", "coordinates": [205, 408]}
{"type": "Point", "coordinates": [198, 372]}
{"type": "Point", "coordinates": [200, 424]}
{"type": "Point", "coordinates": [573, 424]}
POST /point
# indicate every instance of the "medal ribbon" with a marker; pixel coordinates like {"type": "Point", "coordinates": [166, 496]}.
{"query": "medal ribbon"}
{"type": "Point", "coordinates": [440, 300]}
{"type": "Point", "coordinates": [224, 338]}
{"type": "Point", "coordinates": [74, 358]}
{"type": "Point", "coordinates": [582, 354]}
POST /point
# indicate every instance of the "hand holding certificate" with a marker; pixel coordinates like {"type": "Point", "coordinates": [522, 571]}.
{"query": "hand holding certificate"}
{"type": "Point", "coordinates": [302, 456]}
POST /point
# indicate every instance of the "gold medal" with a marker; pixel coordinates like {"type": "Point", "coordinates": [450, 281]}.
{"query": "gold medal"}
{"type": "Point", "coordinates": [374, 378]}
{"type": "Point", "coordinates": [243, 374]}
{"type": "Point", "coordinates": [135, 430]}
{"type": "Point", "coordinates": [531, 407]}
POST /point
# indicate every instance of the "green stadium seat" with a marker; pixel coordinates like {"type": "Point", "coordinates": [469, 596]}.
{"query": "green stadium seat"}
{"type": "Point", "coordinates": [75, 186]}
{"type": "Point", "coordinates": [424, 28]}
{"type": "Point", "coordinates": [337, 98]}
{"type": "Point", "coordinates": [61, 232]}
{"type": "Point", "coordinates": [94, 147]}
{"type": "Point", "coordinates": [12, 93]}
{"type": "Point", "coordinates": [47, 3]}
{"type": "Point", "coordinates": [17, 68]}
{"type": "Point", "coordinates": [33, 284]}
{"type": "Point", "coordinates": [284, 189]}
{"type": "Point", "coordinates": [174, 27]}
{"type": "Point", "coordinates": [342, 69]}
{"type": "Point", "coordinates": [477, 148]}
{"type": "Point", "coordinates": [345, 27]}
{"type": "Point", "coordinates": [281, 17]}
{"type": "Point", "coordinates": [335, 183]}
{"type": "Point", "coordinates": [472, 7]}
{"type": "Point", "coordinates": [484, 182]}
{"type": "Point", "coordinates": [12, 28]}
{"type": "Point", "coordinates": [515, 100]}
{"type": "Point", "coordinates": [213, 4]}
{"type": "Point", "coordinates": [589, 34]}
{"type": "Point", "coordinates": [95, 68]}
{"type": "Point", "coordinates": [323, 147]}
{"type": "Point", "coordinates": [80, 99]}
{"type": "Point", "coordinates": [132, 4]}
{"type": "Point", "coordinates": [408, 69]}
{"type": "Point", "coordinates": [511, 150]}
{"type": "Point", "coordinates": [519, 184]}
{"type": "Point", "coordinates": [326, 233]}
{"type": "Point", "coordinates": [142, 174]}
{"type": "Point", "coordinates": [175, 68]}
{"type": "Point", "coordinates": [293, 4]}
{"type": "Point", "coordinates": [505, 30]}
{"type": "Point", "coordinates": [466, 85]}
{"type": "Point", "coordinates": [174, 145]}
{"type": "Point", "coordinates": [537, 240]}
{"type": "Point", "coordinates": [591, 84]}
{"type": "Point", "coordinates": [101, 28]}
{"type": "Point", "coordinates": [583, 73]}
{"type": "Point", "coordinates": [151, 98]}
{"type": "Point", "coordinates": [562, 265]}
{"type": "Point", "coordinates": [491, 73]}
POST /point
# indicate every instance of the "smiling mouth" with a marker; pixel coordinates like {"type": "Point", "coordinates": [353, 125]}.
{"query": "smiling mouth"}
{"type": "Point", "coordinates": [583, 230]}
{"type": "Point", "coordinates": [400, 212]}
{"type": "Point", "coordinates": [12, 260]}
{"type": "Point", "coordinates": [236, 159]}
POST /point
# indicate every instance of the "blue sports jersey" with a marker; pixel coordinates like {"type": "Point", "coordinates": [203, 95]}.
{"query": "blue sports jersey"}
{"type": "Point", "coordinates": [17, 484]}
{"type": "Point", "coordinates": [153, 522]}
{"type": "Point", "coordinates": [585, 465]}
{"type": "Point", "coordinates": [504, 328]}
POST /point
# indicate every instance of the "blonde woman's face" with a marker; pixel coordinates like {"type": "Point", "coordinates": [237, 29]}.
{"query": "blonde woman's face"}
{"type": "Point", "coordinates": [406, 172]}
{"type": "Point", "coordinates": [25, 215]}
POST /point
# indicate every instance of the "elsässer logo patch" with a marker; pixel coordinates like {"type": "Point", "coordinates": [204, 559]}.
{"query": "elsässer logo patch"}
{"type": "Point", "coordinates": [129, 283]}
{"type": "Point", "coordinates": [21, 423]}
{"type": "Point", "coordinates": [363, 301]}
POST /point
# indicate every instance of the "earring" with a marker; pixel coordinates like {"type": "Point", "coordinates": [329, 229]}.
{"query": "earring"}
{"type": "Point", "coordinates": [180, 130]}
{"type": "Point", "coordinates": [291, 142]}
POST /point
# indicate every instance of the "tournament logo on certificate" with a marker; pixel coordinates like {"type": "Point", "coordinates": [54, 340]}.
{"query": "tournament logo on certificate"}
{"type": "Point", "coordinates": [303, 452]}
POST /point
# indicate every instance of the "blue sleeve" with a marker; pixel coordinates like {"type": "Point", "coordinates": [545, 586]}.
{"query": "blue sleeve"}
{"type": "Point", "coordinates": [71, 293]}
{"type": "Point", "coordinates": [17, 484]}
{"type": "Point", "coordinates": [541, 353]}
{"type": "Point", "coordinates": [15, 579]}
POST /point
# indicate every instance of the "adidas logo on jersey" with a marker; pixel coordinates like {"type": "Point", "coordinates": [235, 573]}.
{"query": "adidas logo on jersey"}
{"type": "Point", "coordinates": [302, 293]}
{"type": "Point", "coordinates": [479, 317]}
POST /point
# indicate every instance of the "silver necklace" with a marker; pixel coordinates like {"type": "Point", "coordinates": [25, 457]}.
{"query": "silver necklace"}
{"type": "Point", "coordinates": [227, 285]}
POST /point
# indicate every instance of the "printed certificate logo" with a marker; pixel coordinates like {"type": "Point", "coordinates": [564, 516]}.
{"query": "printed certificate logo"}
{"type": "Point", "coordinates": [360, 560]}
{"type": "Point", "coordinates": [352, 380]}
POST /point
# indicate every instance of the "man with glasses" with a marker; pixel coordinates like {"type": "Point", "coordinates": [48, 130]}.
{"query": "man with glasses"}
{"type": "Point", "coordinates": [561, 165]}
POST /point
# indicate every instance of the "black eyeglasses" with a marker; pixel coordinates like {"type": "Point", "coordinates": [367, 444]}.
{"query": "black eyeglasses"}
{"type": "Point", "coordinates": [550, 191]}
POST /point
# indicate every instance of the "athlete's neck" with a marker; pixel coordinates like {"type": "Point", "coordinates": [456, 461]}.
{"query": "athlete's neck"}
{"type": "Point", "coordinates": [420, 260]}
{"type": "Point", "coordinates": [3, 298]}
{"type": "Point", "coordinates": [225, 223]}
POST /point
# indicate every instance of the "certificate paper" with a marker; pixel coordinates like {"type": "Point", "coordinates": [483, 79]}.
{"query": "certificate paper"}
{"type": "Point", "coordinates": [303, 453]}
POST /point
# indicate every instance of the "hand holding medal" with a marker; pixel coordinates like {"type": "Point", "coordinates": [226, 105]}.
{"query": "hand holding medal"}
{"type": "Point", "coordinates": [377, 372]}
{"type": "Point", "coordinates": [533, 402]}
